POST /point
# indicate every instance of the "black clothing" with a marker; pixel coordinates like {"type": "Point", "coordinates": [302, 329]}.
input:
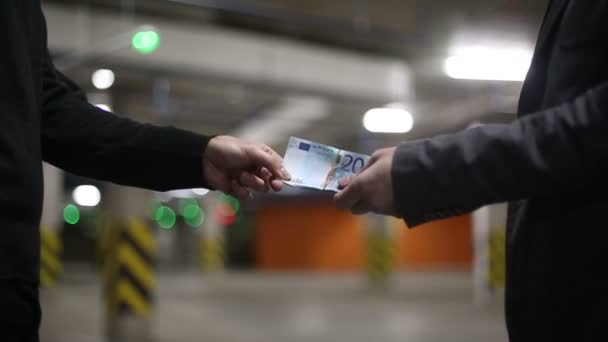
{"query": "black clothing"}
{"type": "Point", "coordinates": [44, 116]}
{"type": "Point", "coordinates": [20, 311]}
{"type": "Point", "coordinates": [551, 164]}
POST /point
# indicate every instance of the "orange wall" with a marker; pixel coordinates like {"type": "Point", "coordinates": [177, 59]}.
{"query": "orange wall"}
{"type": "Point", "coordinates": [317, 237]}
{"type": "Point", "coordinates": [438, 245]}
{"type": "Point", "coordinates": [312, 236]}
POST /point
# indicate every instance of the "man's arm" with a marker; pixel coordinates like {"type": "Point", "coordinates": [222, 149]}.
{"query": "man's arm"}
{"type": "Point", "coordinates": [88, 141]}
{"type": "Point", "coordinates": [560, 150]}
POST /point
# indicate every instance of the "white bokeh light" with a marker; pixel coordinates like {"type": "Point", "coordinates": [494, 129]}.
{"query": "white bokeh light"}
{"type": "Point", "coordinates": [485, 63]}
{"type": "Point", "coordinates": [104, 106]}
{"type": "Point", "coordinates": [87, 195]}
{"type": "Point", "coordinates": [393, 118]}
{"type": "Point", "coordinates": [200, 192]}
{"type": "Point", "coordinates": [103, 79]}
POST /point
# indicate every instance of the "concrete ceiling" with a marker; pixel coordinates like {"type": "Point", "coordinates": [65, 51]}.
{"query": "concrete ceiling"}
{"type": "Point", "coordinates": [417, 32]}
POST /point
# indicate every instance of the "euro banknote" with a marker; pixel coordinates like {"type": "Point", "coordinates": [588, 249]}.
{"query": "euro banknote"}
{"type": "Point", "coordinates": [317, 166]}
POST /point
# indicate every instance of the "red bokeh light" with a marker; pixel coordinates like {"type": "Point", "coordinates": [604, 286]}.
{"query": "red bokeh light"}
{"type": "Point", "coordinates": [225, 214]}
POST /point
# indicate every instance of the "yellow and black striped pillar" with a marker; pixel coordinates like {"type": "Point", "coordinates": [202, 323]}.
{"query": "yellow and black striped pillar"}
{"type": "Point", "coordinates": [212, 247]}
{"type": "Point", "coordinates": [106, 240]}
{"type": "Point", "coordinates": [497, 262]}
{"type": "Point", "coordinates": [129, 270]}
{"type": "Point", "coordinates": [51, 250]}
{"type": "Point", "coordinates": [381, 250]}
{"type": "Point", "coordinates": [212, 253]}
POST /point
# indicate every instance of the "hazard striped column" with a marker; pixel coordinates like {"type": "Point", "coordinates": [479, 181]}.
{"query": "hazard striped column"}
{"type": "Point", "coordinates": [51, 250]}
{"type": "Point", "coordinates": [106, 241]}
{"type": "Point", "coordinates": [497, 262]}
{"type": "Point", "coordinates": [212, 241]}
{"type": "Point", "coordinates": [51, 246]}
{"type": "Point", "coordinates": [130, 270]}
{"type": "Point", "coordinates": [129, 266]}
{"type": "Point", "coordinates": [382, 247]}
{"type": "Point", "coordinates": [489, 252]}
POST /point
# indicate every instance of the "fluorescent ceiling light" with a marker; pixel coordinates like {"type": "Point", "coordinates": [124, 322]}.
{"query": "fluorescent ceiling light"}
{"type": "Point", "coordinates": [87, 195]}
{"type": "Point", "coordinates": [390, 119]}
{"type": "Point", "coordinates": [484, 63]}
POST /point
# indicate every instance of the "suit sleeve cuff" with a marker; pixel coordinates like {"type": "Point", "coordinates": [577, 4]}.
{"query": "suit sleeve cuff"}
{"type": "Point", "coordinates": [408, 184]}
{"type": "Point", "coordinates": [419, 186]}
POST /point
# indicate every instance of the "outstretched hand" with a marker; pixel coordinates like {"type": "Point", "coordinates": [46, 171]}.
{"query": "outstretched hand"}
{"type": "Point", "coordinates": [236, 167]}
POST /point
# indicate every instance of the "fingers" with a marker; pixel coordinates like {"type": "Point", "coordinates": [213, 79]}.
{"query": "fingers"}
{"type": "Point", "coordinates": [276, 185]}
{"type": "Point", "coordinates": [264, 156]}
{"type": "Point", "coordinates": [239, 191]}
{"type": "Point", "coordinates": [347, 198]}
{"type": "Point", "coordinates": [344, 182]}
{"type": "Point", "coordinates": [249, 180]}
{"type": "Point", "coordinates": [264, 174]}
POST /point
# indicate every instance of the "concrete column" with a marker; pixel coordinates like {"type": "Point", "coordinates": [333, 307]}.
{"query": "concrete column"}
{"type": "Point", "coordinates": [381, 251]}
{"type": "Point", "coordinates": [129, 269]}
{"type": "Point", "coordinates": [489, 226]}
{"type": "Point", "coordinates": [481, 231]}
{"type": "Point", "coordinates": [51, 249]}
{"type": "Point", "coordinates": [212, 236]}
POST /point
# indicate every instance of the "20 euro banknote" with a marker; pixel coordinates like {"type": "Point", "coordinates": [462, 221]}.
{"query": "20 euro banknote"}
{"type": "Point", "coordinates": [318, 166]}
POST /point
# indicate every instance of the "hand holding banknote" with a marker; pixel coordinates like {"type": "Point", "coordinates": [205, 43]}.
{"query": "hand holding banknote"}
{"type": "Point", "coordinates": [236, 167]}
{"type": "Point", "coordinates": [317, 166]}
{"type": "Point", "coordinates": [371, 190]}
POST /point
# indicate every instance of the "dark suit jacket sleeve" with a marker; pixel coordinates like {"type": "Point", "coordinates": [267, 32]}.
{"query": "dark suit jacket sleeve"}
{"type": "Point", "coordinates": [560, 150]}
{"type": "Point", "coordinates": [85, 140]}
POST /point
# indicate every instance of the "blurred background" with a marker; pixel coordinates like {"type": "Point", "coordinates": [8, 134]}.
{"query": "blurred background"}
{"type": "Point", "coordinates": [122, 264]}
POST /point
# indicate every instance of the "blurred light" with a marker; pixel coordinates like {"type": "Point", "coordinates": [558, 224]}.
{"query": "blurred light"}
{"type": "Point", "coordinates": [225, 214]}
{"type": "Point", "coordinates": [393, 118]}
{"type": "Point", "coordinates": [103, 79]}
{"type": "Point", "coordinates": [165, 217]}
{"type": "Point", "coordinates": [197, 220]}
{"type": "Point", "coordinates": [169, 195]}
{"type": "Point", "coordinates": [86, 195]}
{"type": "Point", "coordinates": [484, 63]}
{"type": "Point", "coordinates": [104, 107]}
{"type": "Point", "coordinates": [233, 202]}
{"type": "Point", "coordinates": [474, 124]}
{"type": "Point", "coordinates": [200, 192]}
{"type": "Point", "coordinates": [146, 41]}
{"type": "Point", "coordinates": [191, 211]}
{"type": "Point", "coordinates": [71, 214]}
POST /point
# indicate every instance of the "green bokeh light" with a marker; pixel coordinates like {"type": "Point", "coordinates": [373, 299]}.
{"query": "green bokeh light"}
{"type": "Point", "coordinates": [71, 214]}
{"type": "Point", "coordinates": [191, 211]}
{"type": "Point", "coordinates": [165, 217]}
{"type": "Point", "coordinates": [197, 220]}
{"type": "Point", "coordinates": [146, 41]}
{"type": "Point", "coordinates": [234, 203]}
{"type": "Point", "coordinates": [186, 203]}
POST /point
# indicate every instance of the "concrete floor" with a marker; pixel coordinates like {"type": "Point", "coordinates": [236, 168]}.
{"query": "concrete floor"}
{"type": "Point", "coordinates": [256, 307]}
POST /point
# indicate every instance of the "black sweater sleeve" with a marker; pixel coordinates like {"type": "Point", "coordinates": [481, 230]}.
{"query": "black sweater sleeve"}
{"type": "Point", "coordinates": [557, 151]}
{"type": "Point", "coordinates": [85, 140]}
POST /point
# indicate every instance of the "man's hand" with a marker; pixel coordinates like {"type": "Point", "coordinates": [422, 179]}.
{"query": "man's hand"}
{"type": "Point", "coordinates": [371, 190]}
{"type": "Point", "coordinates": [234, 166]}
